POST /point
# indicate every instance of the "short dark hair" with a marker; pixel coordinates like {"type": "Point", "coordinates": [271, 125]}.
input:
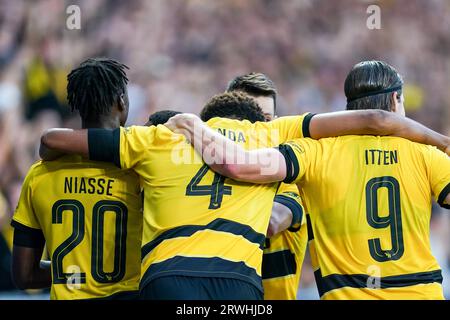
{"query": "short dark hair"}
{"type": "Point", "coordinates": [255, 84]}
{"type": "Point", "coordinates": [95, 86]}
{"type": "Point", "coordinates": [161, 117]}
{"type": "Point", "coordinates": [234, 105]}
{"type": "Point", "coordinates": [366, 79]}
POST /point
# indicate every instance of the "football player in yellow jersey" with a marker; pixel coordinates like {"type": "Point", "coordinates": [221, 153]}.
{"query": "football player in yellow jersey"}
{"type": "Point", "coordinates": [284, 251]}
{"type": "Point", "coordinates": [88, 214]}
{"type": "Point", "coordinates": [368, 198]}
{"type": "Point", "coordinates": [187, 207]}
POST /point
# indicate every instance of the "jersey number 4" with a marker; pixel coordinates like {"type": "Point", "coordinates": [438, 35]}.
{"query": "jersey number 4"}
{"type": "Point", "coordinates": [216, 190]}
{"type": "Point", "coordinates": [78, 225]}
{"type": "Point", "coordinates": [393, 220]}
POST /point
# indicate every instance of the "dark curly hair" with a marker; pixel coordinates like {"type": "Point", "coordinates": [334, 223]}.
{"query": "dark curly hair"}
{"type": "Point", "coordinates": [233, 105]}
{"type": "Point", "coordinates": [161, 117]}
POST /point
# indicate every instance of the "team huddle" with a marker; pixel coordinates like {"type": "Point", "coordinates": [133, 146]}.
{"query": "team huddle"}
{"type": "Point", "coordinates": [223, 206]}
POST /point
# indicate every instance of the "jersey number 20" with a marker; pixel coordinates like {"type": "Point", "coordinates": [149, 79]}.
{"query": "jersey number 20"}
{"type": "Point", "coordinates": [78, 225]}
{"type": "Point", "coordinates": [393, 220]}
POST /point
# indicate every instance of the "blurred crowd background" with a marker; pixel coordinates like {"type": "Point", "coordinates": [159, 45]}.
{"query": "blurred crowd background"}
{"type": "Point", "coordinates": [180, 53]}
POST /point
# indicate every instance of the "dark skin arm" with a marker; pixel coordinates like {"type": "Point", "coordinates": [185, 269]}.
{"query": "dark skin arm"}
{"type": "Point", "coordinates": [57, 142]}
{"type": "Point", "coordinates": [378, 123]}
{"type": "Point", "coordinates": [27, 272]}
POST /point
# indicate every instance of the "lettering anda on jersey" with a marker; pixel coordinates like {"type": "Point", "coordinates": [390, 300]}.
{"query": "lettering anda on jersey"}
{"type": "Point", "coordinates": [237, 136]}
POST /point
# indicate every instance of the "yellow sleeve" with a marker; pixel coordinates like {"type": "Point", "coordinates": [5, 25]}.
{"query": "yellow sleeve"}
{"type": "Point", "coordinates": [24, 213]}
{"type": "Point", "coordinates": [288, 195]}
{"type": "Point", "coordinates": [299, 155]}
{"type": "Point", "coordinates": [289, 128]}
{"type": "Point", "coordinates": [134, 144]}
{"type": "Point", "coordinates": [440, 175]}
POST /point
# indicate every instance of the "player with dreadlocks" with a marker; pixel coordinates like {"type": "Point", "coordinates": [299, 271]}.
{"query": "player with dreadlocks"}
{"type": "Point", "coordinates": [88, 213]}
{"type": "Point", "coordinates": [96, 89]}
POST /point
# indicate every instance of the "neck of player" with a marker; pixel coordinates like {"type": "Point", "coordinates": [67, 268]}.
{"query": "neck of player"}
{"type": "Point", "coordinates": [102, 123]}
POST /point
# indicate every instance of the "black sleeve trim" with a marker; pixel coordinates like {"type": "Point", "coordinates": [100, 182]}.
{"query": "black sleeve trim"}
{"type": "Point", "coordinates": [27, 237]}
{"type": "Point", "coordinates": [104, 145]}
{"type": "Point", "coordinates": [292, 165]}
{"type": "Point", "coordinates": [296, 209]}
{"type": "Point", "coordinates": [305, 127]}
{"type": "Point", "coordinates": [444, 193]}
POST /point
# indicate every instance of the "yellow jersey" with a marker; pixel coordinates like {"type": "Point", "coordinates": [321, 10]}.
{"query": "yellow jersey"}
{"type": "Point", "coordinates": [197, 222]}
{"type": "Point", "coordinates": [284, 252]}
{"type": "Point", "coordinates": [90, 214]}
{"type": "Point", "coordinates": [369, 207]}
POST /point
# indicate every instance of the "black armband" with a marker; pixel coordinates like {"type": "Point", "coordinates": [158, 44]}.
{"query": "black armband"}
{"type": "Point", "coordinates": [296, 209]}
{"type": "Point", "coordinates": [292, 165]}
{"type": "Point", "coordinates": [444, 193]}
{"type": "Point", "coordinates": [306, 123]}
{"type": "Point", "coordinates": [104, 145]}
{"type": "Point", "coordinates": [27, 237]}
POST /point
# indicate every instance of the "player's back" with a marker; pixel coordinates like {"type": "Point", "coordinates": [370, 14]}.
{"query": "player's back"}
{"type": "Point", "coordinates": [369, 204]}
{"type": "Point", "coordinates": [91, 218]}
{"type": "Point", "coordinates": [196, 222]}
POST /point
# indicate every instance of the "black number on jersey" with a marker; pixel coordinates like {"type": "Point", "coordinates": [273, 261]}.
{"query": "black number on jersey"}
{"type": "Point", "coordinates": [77, 209]}
{"type": "Point", "coordinates": [216, 190]}
{"type": "Point", "coordinates": [78, 225]}
{"type": "Point", "coordinates": [393, 220]}
{"type": "Point", "coordinates": [120, 242]}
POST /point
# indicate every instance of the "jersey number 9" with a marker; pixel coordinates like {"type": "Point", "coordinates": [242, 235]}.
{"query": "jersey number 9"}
{"type": "Point", "coordinates": [393, 220]}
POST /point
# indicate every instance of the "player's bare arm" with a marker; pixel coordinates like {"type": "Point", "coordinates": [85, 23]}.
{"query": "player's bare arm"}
{"type": "Point", "coordinates": [375, 122]}
{"type": "Point", "coordinates": [280, 220]}
{"type": "Point", "coordinates": [268, 165]}
{"type": "Point", "coordinates": [57, 142]}
{"type": "Point", "coordinates": [226, 157]}
{"type": "Point", "coordinates": [26, 268]}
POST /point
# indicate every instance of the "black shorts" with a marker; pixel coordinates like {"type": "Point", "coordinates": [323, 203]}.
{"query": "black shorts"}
{"type": "Point", "coordinates": [199, 288]}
